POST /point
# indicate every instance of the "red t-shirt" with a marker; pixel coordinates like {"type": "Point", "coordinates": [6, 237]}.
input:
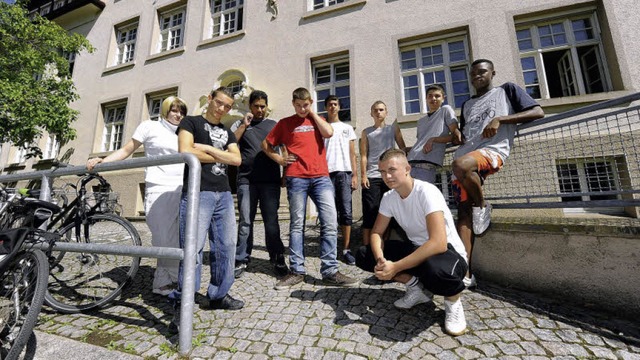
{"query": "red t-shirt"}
{"type": "Point", "coordinates": [302, 138]}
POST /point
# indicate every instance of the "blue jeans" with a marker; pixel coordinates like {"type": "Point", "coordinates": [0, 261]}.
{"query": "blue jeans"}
{"type": "Point", "coordinates": [342, 185]}
{"type": "Point", "coordinates": [268, 195]}
{"type": "Point", "coordinates": [320, 190]}
{"type": "Point", "coordinates": [216, 217]}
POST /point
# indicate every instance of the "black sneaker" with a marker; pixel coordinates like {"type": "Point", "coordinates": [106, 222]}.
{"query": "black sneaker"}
{"type": "Point", "coordinates": [280, 266]}
{"type": "Point", "coordinates": [339, 279]}
{"type": "Point", "coordinates": [239, 270]}
{"type": "Point", "coordinates": [226, 303]}
{"type": "Point", "coordinates": [348, 258]}
{"type": "Point", "coordinates": [174, 325]}
{"type": "Point", "coordinates": [288, 281]}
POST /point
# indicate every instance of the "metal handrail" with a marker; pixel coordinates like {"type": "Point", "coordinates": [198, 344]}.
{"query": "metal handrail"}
{"type": "Point", "coordinates": [187, 255]}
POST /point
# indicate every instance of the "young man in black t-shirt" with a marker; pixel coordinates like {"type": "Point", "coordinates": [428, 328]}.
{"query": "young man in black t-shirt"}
{"type": "Point", "coordinates": [258, 182]}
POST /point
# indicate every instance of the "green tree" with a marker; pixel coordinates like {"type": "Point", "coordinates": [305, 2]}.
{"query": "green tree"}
{"type": "Point", "coordinates": [35, 85]}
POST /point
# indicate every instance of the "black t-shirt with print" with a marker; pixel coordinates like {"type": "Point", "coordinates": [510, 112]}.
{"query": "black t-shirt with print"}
{"type": "Point", "coordinates": [214, 175]}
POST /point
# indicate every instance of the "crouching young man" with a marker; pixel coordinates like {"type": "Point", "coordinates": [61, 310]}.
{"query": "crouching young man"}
{"type": "Point", "coordinates": [432, 259]}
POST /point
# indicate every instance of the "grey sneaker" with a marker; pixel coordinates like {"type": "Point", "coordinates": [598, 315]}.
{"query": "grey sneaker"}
{"type": "Point", "coordinates": [339, 279]}
{"type": "Point", "coordinates": [415, 295]}
{"type": "Point", "coordinates": [288, 281]}
{"type": "Point", "coordinates": [481, 218]}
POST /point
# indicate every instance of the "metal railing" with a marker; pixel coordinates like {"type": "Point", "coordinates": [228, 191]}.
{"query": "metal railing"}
{"type": "Point", "coordinates": [188, 255]}
{"type": "Point", "coordinates": [583, 158]}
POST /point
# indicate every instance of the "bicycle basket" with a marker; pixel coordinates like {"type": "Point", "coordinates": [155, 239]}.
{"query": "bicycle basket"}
{"type": "Point", "coordinates": [103, 202]}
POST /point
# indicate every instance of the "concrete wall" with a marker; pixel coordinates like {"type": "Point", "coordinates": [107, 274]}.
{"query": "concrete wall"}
{"type": "Point", "coordinates": [594, 265]}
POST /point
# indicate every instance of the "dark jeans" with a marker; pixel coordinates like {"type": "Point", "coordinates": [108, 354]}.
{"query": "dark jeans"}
{"type": "Point", "coordinates": [371, 201]}
{"type": "Point", "coordinates": [342, 185]}
{"type": "Point", "coordinates": [441, 274]}
{"type": "Point", "coordinates": [268, 196]}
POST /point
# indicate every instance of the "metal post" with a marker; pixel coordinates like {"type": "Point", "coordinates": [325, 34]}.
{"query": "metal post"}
{"type": "Point", "coordinates": [188, 254]}
{"type": "Point", "coordinates": [190, 249]}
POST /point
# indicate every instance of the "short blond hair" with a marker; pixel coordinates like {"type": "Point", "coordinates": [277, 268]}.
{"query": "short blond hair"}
{"type": "Point", "coordinates": [170, 102]}
{"type": "Point", "coordinates": [301, 94]}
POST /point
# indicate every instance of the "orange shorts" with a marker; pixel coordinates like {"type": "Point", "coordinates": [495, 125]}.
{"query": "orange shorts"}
{"type": "Point", "coordinates": [489, 162]}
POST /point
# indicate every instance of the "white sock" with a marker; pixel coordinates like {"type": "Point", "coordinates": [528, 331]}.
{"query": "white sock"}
{"type": "Point", "coordinates": [413, 282]}
{"type": "Point", "coordinates": [345, 251]}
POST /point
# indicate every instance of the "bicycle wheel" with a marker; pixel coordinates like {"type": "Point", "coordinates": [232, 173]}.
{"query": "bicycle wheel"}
{"type": "Point", "coordinates": [84, 281]}
{"type": "Point", "coordinates": [22, 290]}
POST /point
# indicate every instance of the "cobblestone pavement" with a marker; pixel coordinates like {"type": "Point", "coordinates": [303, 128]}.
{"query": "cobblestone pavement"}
{"type": "Point", "coordinates": [313, 321]}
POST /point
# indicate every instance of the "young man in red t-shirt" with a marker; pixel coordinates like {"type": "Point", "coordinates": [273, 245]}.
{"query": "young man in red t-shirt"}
{"type": "Point", "coordinates": [307, 174]}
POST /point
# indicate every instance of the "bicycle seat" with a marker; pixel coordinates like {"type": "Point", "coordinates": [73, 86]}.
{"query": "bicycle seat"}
{"type": "Point", "coordinates": [32, 204]}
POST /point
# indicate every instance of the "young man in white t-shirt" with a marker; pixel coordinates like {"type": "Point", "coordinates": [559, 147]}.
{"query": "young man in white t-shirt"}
{"type": "Point", "coordinates": [341, 159]}
{"type": "Point", "coordinates": [431, 256]}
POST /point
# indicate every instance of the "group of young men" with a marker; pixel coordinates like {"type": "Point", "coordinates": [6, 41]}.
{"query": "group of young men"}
{"type": "Point", "coordinates": [319, 161]}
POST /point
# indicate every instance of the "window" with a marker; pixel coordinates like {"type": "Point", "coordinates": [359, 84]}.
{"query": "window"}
{"type": "Point", "coordinates": [331, 77]}
{"type": "Point", "coordinates": [113, 127]}
{"type": "Point", "coordinates": [45, 9]}
{"type": "Point", "coordinates": [71, 58]}
{"type": "Point", "coordinates": [445, 186]}
{"type": "Point", "coordinates": [592, 176]}
{"type": "Point", "coordinates": [319, 4]}
{"type": "Point", "coordinates": [562, 56]}
{"type": "Point", "coordinates": [444, 62]}
{"type": "Point", "coordinates": [171, 29]}
{"type": "Point", "coordinates": [21, 155]}
{"type": "Point", "coordinates": [126, 39]}
{"type": "Point", "coordinates": [155, 104]}
{"type": "Point", "coordinates": [57, 4]}
{"type": "Point", "coordinates": [226, 16]}
{"type": "Point", "coordinates": [52, 148]}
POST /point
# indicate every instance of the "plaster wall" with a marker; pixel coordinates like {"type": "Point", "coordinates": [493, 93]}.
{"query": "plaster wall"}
{"type": "Point", "coordinates": [585, 265]}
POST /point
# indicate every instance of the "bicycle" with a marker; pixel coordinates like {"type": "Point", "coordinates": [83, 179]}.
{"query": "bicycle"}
{"type": "Point", "coordinates": [23, 270]}
{"type": "Point", "coordinates": [79, 282]}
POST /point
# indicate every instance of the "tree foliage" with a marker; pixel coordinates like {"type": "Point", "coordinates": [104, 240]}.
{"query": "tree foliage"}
{"type": "Point", "coordinates": [35, 85]}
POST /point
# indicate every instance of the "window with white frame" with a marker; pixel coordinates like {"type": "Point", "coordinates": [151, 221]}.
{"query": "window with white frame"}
{"type": "Point", "coordinates": [155, 104]}
{"type": "Point", "coordinates": [562, 56]}
{"type": "Point", "coordinates": [126, 40]}
{"type": "Point", "coordinates": [332, 77]}
{"type": "Point", "coordinates": [171, 29]}
{"type": "Point", "coordinates": [71, 59]}
{"type": "Point", "coordinates": [443, 182]}
{"type": "Point", "coordinates": [443, 61]}
{"type": "Point", "coordinates": [113, 126]}
{"type": "Point", "coordinates": [227, 16]}
{"type": "Point", "coordinates": [319, 4]}
{"type": "Point", "coordinates": [592, 179]}
{"type": "Point", "coordinates": [45, 9]}
{"type": "Point", "coordinates": [20, 155]}
{"type": "Point", "coordinates": [57, 4]}
{"type": "Point", "coordinates": [52, 147]}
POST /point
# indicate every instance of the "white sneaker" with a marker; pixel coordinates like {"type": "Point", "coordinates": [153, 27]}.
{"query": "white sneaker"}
{"type": "Point", "coordinates": [470, 282]}
{"type": "Point", "coordinates": [415, 295]}
{"type": "Point", "coordinates": [481, 218]}
{"type": "Point", "coordinates": [454, 322]}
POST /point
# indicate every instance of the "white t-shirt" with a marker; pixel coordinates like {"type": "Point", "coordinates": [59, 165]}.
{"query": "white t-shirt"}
{"type": "Point", "coordinates": [159, 138]}
{"type": "Point", "coordinates": [411, 213]}
{"type": "Point", "coordinates": [337, 147]}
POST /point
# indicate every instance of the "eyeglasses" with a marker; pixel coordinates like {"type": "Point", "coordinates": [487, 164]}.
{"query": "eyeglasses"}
{"type": "Point", "coordinates": [219, 103]}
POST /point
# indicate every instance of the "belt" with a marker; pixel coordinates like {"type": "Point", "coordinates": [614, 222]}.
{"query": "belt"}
{"type": "Point", "coordinates": [423, 165]}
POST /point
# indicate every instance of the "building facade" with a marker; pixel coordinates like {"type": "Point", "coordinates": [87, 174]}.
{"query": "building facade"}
{"type": "Point", "coordinates": [566, 54]}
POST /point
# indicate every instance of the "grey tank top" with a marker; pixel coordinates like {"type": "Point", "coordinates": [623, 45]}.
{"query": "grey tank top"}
{"type": "Point", "coordinates": [379, 141]}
